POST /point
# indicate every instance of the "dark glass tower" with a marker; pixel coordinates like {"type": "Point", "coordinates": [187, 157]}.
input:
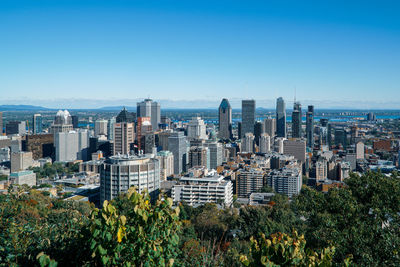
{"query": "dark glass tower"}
{"type": "Point", "coordinates": [280, 117]}
{"type": "Point", "coordinates": [248, 117]}
{"type": "Point", "coordinates": [310, 126]}
{"type": "Point", "coordinates": [296, 120]}
{"type": "Point", "coordinates": [126, 116]}
{"type": "Point", "coordinates": [225, 120]}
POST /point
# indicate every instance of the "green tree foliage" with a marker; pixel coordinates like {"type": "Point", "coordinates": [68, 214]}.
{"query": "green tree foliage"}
{"type": "Point", "coordinates": [362, 219]}
{"type": "Point", "coordinates": [283, 250]}
{"type": "Point", "coordinates": [141, 235]}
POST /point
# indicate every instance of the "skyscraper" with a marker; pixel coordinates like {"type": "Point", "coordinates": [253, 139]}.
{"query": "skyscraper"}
{"type": "Point", "coordinates": [280, 117]}
{"type": "Point", "coordinates": [259, 128]}
{"type": "Point", "coordinates": [270, 127]}
{"type": "Point", "coordinates": [100, 127]}
{"type": "Point", "coordinates": [124, 137]}
{"type": "Point", "coordinates": [62, 122]}
{"type": "Point", "coordinates": [265, 143]}
{"type": "Point", "coordinates": [75, 121]}
{"type": "Point", "coordinates": [150, 108]}
{"type": "Point", "coordinates": [72, 145]}
{"type": "Point", "coordinates": [248, 117]}
{"type": "Point", "coordinates": [196, 129]}
{"type": "Point", "coordinates": [37, 124]}
{"type": "Point", "coordinates": [310, 126]}
{"type": "Point", "coordinates": [126, 116]}
{"type": "Point", "coordinates": [177, 144]}
{"type": "Point", "coordinates": [110, 128]}
{"type": "Point", "coordinates": [296, 120]}
{"type": "Point", "coordinates": [225, 120]}
{"type": "Point", "coordinates": [1, 123]}
{"type": "Point", "coordinates": [248, 143]}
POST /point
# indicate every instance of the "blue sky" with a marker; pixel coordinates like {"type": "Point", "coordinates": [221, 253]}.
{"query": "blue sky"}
{"type": "Point", "coordinates": [117, 51]}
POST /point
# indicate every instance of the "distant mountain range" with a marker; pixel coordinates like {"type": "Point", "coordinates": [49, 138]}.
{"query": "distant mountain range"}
{"type": "Point", "coordinates": [21, 108]}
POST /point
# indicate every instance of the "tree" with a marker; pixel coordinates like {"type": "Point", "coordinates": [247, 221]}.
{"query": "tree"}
{"type": "Point", "coordinates": [145, 235]}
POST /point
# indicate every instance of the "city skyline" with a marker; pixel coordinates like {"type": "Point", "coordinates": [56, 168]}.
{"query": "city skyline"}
{"type": "Point", "coordinates": [342, 53]}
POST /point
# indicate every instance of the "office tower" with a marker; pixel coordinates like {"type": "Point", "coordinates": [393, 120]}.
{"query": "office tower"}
{"type": "Point", "coordinates": [278, 144]}
{"type": "Point", "coordinates": [149, 108]}
{"type": "Point", "coordinates": [124, 137]}
{"type": "Point", "coordinates": [110, 128]}
{"type": "Point", "coordinates": [239, 129]}
{"type": "Point", "coordinates": [1, 123]}
{"type": "Point", "coordinates": [196, 191]}
{"type": "Point", "coordinates": [249, 181]}
{"type": "Point", "coordinates": [354, 134]}
{"type": "Point", "coordinates": [265, 143]}
{"type": "Point", "coordinates": [165, 122]}
{"type": "Point", "coordinates": [62, 122]}
{"type": "Point", "coordinates": [270, 127]}
{"type": "Point", "coordinates": [324, 122]}
{"type": "Point", "coordinates": [360, 150]}
{"type": "Point", "coordinates": [143, 127]}
{"type": "Point", "coordinates": [100, 127]}
{"type": "Point", "coordinates": [119, 173]}
{"type": "Point", "coordinates": [125, 116]}
{"type": "Point", "coordinates": [196, 129]}
{"type": "Point", "coordinates": [75, 121]}
{"type": "Point", "coordinates": [21, 161]}
{"type": "Point", "coordinates": [216, 150]}
{"type": "Point", "coordinates": [199, 157]}
{"type": "Point", "coordinates": [23, 177]}
{"type": "Point", "coordinates": [286, 181]}
{"type": "Point", "coordinates": [371, 116]}
{"type": "Point", "coordinates": [72, 145]}
{"type": "Point", "coordinates": [341, 137]}
{"type": "Point", "coordinates": [329, 134]}
{"type": "Point", "coordinates": [310, 126]}
{"type": "Point", "coordinates": [321, 169]}
{"type": "Point", "coordinates": [296, 148]}
{"type": "Point", "coordinates": [41, 145]}
{"type": "Point", "coordinates": [225, 120]}
{"type": "Point", "coordinates": [248, 117]}
{"type": "Point", "coordinates": [162, 140]}
{"type": "Point", "coordinates": [248, 143]}
{"type": "Point", "coordinates": [280, 117]}
{"type": "Point", "coordinates": [37, 124]}
{"type": "Point", "coordinates": [16, 127]}
{"type": "Point", "coordinates": [296, 120]}
{"type": "Point", "coordinates": [166, 159]}
{"type": "Point", "coordinates": [259, 128]}
{"type": "Point", "coordinates": [177, 144]}
{"type": "Point", "coordinates": [147, 143]}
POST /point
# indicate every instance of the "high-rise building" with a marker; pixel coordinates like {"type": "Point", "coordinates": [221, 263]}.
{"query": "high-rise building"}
{"type": "Point", "coordinates": [150, 108]}
{"type": "Point", "coordinates": [341, 137]}
{"type": "Point", "coordinates": [248, 117]}
{"type": "Point", "coordinates": [124, 137]}
{"type": "Point", "coordinates": [178, 145]}
{"type": "Point", "coordinates": [295, 147]}
{"type": "Point", "coordinates": [265, 143]}
{"type": "Point", "coordinates": [199, 157]}
{"type": "Point", "coordinates": [119, 173]}
{"type": "Point", "coordinates": [286, 181]}
{"type": "Point", "coordinates": [249, 181]}
{"type": "Point", "coordinates": [216, 153]}
{"type": "Point", "coordinates": [270, 127]}
{"type": "Point", "coordinates": [280, 117]}
{"type": "Point", "coordinates": [371, 116]}
{"type": "Point", "coordinates": [62, 122]}
{"type": "Point", "coordinates": [296, 120]}
{"type": "Point", "coordinates": [225, 120]}
{"type": "Point", "coordinates": [110, 128]}
{"type": "Point", "coordinates": [126, 116]}
{"type": "Point", "coordinates": [16, 127]}
{"type": "Point", "coordinates": [248, 143]}
{"type": "Point", "coordinates": [1, 123]}
{"type": "Point", "coordinates": [196, 129]}
{"type": "Point", "coordinates": [321, 169]}
{"type": "Point", "coordinates": [100, 127]}
{"type": "Point", "coordinates": [143, 127]}
{"type": "Point", "coordinates": [72, 145]}
{"type": "Point", "coordinates": [37, 124]}
{"type": "Point", "coordinates": [310, 126]}
{"type": "Point", "coordinates": [75, 121]}
{"type": "Point", "coordinates": [21, 161]}
{"type": "Point", "coordinates": [166, 159]}
{"type": "Point", "coordinates": [259, 128]}
{"type": "Point", "coordinates": [360, 150]}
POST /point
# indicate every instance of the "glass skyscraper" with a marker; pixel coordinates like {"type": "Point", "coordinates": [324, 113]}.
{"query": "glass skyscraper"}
{"type": "Point", "coordinates": [280, 117]}
{"type": "Point", "coordinates": [248, 117]}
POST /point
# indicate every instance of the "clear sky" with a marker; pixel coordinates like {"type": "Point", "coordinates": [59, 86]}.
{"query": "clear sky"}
{"type": "Point", "coordinates": [331, 51]}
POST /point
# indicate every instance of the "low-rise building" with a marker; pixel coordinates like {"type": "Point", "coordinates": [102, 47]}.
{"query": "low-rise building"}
{"type": "Point", "coordinates": [23, 177]}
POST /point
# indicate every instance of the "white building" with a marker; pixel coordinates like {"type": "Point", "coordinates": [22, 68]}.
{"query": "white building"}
{"type": "Point", "coordinates": [360, 150]}
{"type": "Point", "coordinates": [21, 161]}
{"type": "Point", "coordinates": [279, 144]}
{"type": "Point", "coordinates": [196, 129]}
{"type": "Point", "coordinates": [72, 145]}
{"type": "Point", "coordinates": [100, 127]}
{"type": "Point", "coordinates": [119, 173]}
{"type": "Point", "coordinates": [248, 143]}
{"type": "Point", "coordinates": [215, 153]}
{"type": "Point", "coordinates": [286, 181]}
{"type": "Point", "coordinates": [209, 189]}
{"type": "Point", "coordinates": [23, 177]}
{"type": "Point", "coordinates": [321, 169]}
{"type": "Point", "coordinates": [265, 143]}
{"type": "Point", "coordinates": [166, 159]}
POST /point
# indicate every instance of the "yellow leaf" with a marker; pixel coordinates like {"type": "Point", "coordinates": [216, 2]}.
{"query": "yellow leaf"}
{"type": "Point", "coordinates": [123, 219]}
{"type": "Point", "coordinates": [120, 235]}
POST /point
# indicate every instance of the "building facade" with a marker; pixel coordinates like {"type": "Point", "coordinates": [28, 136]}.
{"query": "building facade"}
{"type": "Point", "coordinates": [225, 120]}
{"type": "Point", "coordinates": [281, 118]}
{"type": "Point", "coordinates": [248, 117]}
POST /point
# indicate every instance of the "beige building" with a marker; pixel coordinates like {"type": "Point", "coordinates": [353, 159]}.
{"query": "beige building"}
{"type": "Point", "coordinates": [21, 161]}
{"type": "Point", "coordinates": [23, 177]}
{"type": "Point", "coordinates": [124, 137]}
{"type": "Point", "coordinates": [166, 159]}
{"type": "Point", "coordinates": [295, 147]}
